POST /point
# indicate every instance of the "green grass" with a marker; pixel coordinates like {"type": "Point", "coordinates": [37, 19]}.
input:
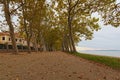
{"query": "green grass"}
{"type": "Point", "coordinates": [108, 61]}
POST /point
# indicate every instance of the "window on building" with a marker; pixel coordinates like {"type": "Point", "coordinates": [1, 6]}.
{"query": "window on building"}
{"type": "Point", "coordinates": [20, 40]}
{"type": "Point", "coordinates": [3, 38]}
{"type": "Point", "coordinates": [9, 39]}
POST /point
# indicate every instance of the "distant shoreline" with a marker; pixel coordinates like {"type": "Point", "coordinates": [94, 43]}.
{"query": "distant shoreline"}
{"type": "Point", "coordinates": [98, 50]}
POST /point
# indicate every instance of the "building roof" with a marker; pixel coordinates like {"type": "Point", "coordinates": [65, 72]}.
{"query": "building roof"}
{"type": "Point", "coordinates": [6, 33]}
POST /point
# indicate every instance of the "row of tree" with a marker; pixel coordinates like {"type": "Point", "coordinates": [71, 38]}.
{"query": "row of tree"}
{"type": "Point", "coordinates": [58, 24]}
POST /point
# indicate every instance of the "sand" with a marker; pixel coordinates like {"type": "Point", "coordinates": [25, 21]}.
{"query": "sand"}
{"type": "Point", "coordinates": [52, 66]}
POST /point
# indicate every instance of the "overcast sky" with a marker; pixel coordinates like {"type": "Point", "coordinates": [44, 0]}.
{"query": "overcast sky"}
{"type": "Point", "coordinates": [107, 38]}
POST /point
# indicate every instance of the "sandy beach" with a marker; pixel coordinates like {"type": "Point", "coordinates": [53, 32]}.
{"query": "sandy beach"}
{"type": "Point", "coordinates": [52, 66]}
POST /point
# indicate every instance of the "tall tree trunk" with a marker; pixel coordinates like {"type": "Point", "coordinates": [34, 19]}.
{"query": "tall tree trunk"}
{"type": "Point", "coordinates": [36, 46]}
{"type": "Point", "coordinates": [35, 42]}
{"type": "Point", "coordinates": [28, 44]}
{"type": "Point", "coordinates": [63, 46]}
{"type": "Point", "coordinates": [11, 28]}
{"type": "Point", "coordinates": [25, 26]}
{"type": "Point", "coordinates": [72, 44]}
{"type": "Point", "coordinates": [43, 42]}
{"type": "Point", "coordinates": [65, 43]}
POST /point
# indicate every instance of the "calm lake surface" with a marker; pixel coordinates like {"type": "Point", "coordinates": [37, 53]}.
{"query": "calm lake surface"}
{"type": "Point", "coordinates": [113, 53]}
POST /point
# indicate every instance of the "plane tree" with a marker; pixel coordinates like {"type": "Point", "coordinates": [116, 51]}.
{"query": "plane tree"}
{"type": "Point", "coordinates": [78, 21]}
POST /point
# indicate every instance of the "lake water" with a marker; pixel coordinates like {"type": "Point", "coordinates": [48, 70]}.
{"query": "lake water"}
{"type": "Point", "coordinates": [113, 53]}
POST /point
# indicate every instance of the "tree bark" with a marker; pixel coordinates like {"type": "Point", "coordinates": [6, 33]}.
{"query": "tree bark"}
{"type": "Point", "coordinates": [28, 44]}
{"type": "Point", "coordinates": [35, 42]}
{"type": "Point", "coordinates": [11, 28]}
{"type": "Point", "coordinates": [43, 42]}
{"type": "Point", "coordinates": [25, 26]}
{"type": "Point", "coordinates": [72, 44]}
